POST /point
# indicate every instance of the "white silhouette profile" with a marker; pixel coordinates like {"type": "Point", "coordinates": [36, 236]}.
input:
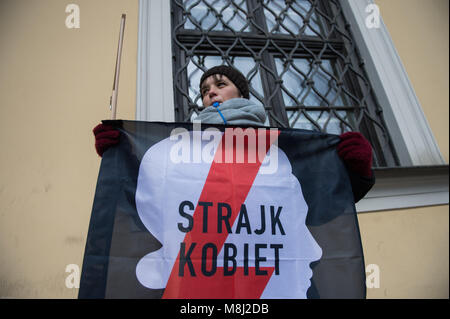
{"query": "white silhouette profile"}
{"type": "Point", "coordinates": [163, 185]}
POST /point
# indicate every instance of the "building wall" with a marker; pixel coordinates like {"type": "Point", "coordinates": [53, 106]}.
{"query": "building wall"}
{"type": "Point", "coordinates": [411, 246]}
{"type": "Point", "coordinates": [55, 86]}
{"type": "Point", "coordinates": [419, 30]}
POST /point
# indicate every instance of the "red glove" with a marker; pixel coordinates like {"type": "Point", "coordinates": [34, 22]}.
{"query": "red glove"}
{"type": "Point", "coordinates": [105, 137]}
{"type": "Point", "coordinates": [356, 152]}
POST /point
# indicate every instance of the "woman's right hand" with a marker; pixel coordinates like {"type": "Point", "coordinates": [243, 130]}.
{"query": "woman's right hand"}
{"type": "Point", "coordinates": [105, 137]}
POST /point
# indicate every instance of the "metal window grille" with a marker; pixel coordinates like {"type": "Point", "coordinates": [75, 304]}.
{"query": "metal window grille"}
{"type": "Point", "coordinates": [299, 57]}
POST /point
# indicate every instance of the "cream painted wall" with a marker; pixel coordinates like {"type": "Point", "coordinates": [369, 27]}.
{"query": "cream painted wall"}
{"type": "Point", "coordinates": [420, 32]}
{"type": "Point", "coordinates": [411, 246]}
{"type": "Point", "coordinates": [55, 85]}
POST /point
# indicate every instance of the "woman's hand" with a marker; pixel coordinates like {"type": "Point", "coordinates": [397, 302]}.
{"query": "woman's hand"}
{"type": "Point", "coordinates": [105, 137]}
{"type": "Point", "coordinates": [356, 152]}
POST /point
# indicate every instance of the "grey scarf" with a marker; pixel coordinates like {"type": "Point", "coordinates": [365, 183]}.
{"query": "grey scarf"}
{"type": "Point", "coordinates": [237, 111]}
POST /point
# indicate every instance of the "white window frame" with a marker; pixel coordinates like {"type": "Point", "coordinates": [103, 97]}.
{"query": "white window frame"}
{"type": "Point", "coordinates": [410, 131]}
{"type": "Point", "coordinates": [407, 187]}
{"type": "Point", "coordinates": [154, 96]}
{"type": "Point", "coordinates": [403, 113]}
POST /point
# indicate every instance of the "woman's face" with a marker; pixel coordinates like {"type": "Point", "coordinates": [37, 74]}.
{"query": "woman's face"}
{"type": "Point", "coordinates": [218, 88]}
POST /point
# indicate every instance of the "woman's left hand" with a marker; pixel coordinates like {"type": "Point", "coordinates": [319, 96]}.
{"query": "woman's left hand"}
{"type": "Point", "coordinates": [356, 152]}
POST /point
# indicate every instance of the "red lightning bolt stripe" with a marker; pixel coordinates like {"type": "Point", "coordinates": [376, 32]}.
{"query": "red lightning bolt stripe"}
{"type": "Point", "coordinates": [226, 183]}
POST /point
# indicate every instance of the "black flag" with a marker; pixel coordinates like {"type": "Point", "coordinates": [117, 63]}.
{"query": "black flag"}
{"type": "Point", "coordinates": [186, 210]}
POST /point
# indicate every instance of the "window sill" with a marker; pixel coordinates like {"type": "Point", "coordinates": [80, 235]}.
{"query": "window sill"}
{"type": "Point", "coordinates": [407, 187]}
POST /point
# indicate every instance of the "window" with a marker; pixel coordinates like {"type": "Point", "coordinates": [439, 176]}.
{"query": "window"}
{"type": "Point", "coordinates": [421, 179]}
{"type": "Point", "coordinates": [300, 59]}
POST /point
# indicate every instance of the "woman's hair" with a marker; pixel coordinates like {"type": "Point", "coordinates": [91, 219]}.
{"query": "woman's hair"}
{"type": "Point", "coordinates": [231, 73]}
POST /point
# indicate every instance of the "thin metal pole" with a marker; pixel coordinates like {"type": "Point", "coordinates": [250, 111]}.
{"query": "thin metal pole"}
{"type": "Point", "coordinates": [115, 89]}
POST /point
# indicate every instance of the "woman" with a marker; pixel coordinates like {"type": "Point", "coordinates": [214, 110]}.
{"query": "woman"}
{"type": "Point", "coordinates": [225, 93]}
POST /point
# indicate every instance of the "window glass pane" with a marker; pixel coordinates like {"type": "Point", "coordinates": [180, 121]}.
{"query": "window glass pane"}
{"type": "Point", "coordinates": [320, 121]}
{"type": "Point", "coordinates": [303, 53]}
{"type": "Point", "coordinates": [216, 15]}
{"type": "Point", "coordinates": [296, 17]}
{"type": "Point", "coordinates": [310, 84]}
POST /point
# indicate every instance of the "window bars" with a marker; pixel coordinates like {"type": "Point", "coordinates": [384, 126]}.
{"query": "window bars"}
{"type": "Point", "coordinates": [299, 57]}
